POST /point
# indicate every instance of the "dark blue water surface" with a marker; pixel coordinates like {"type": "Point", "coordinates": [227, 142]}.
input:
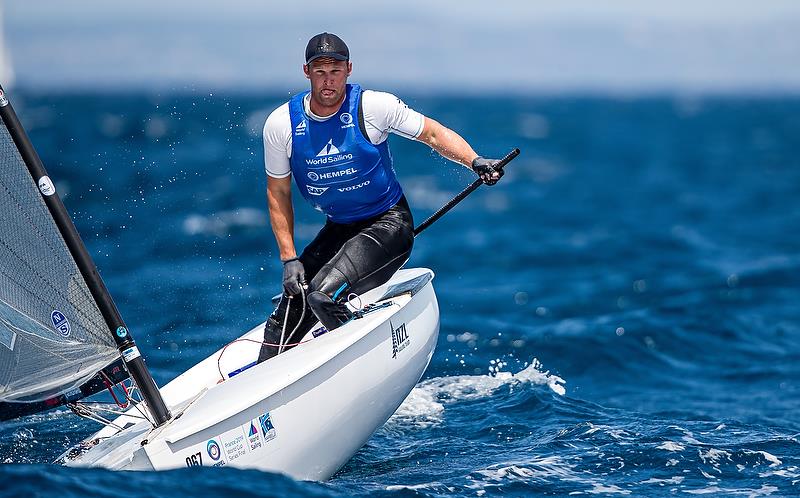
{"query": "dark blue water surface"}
{"type": "Point", "coordinates": [644, 251]}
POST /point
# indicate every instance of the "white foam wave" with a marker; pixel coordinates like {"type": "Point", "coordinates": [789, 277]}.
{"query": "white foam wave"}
{"type": "Point", "coordinates": [670, 446]}
{"type": "Point", "coordinates": [764, 490]}
{"type": "Point", "coordinates": [544, 469]}
{"type": "Point", "coordinates": [425, 405]}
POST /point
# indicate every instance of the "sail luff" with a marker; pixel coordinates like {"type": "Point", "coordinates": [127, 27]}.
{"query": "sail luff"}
{"type": "Point", "coordinates": [117, 329]}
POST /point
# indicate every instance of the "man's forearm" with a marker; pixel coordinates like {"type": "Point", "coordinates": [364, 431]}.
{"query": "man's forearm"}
{"type": "Point", "coordinates": [447, 142]}
{"type": "Point", "coordinates": [281, 215]}
{"type": "Point", "coordinates": [282, 227]}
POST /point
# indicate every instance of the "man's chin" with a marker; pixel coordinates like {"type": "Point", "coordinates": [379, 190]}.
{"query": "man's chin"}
{"type": "Point", "coordinates": [329, 101]}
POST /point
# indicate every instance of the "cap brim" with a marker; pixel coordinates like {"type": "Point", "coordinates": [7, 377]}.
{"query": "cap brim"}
{"type": "Point", "coordinates": [338, 57]}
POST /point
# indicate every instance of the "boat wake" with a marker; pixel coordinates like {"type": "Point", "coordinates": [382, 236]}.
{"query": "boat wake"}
{"type": "Point", "coordinates": [425, 405]}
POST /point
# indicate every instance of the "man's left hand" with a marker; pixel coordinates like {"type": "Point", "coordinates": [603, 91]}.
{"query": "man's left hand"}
{"type": "Point", "coordinates": [485, 168]}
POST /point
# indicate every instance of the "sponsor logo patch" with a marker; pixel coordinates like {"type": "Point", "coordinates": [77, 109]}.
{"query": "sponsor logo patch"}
{"type": "Point", "coordinates": [267, 429]}
{"type": "Point", "coordinates": [213, 450]}
{"type": "Point", "coordinates": [60, 323]}
{"type": "Point", "coordinates": [400, 339]}
{"type": "Point", "coordinates": [346, 118]}
{"type": "Point", "coordinates": [300, 129]}
{"type": "Point", "coordinates": [316, 190]}
{"type": "Point", "coordinates": [353, 187]}
{"type": "Point", "coordinates": [122, 331]}
{"type": "Point", "coordinates": [252, 435]}
{"type": "Point", "coordinates": [313, 176]}
{"type": "Point", "coordinates": [329, 159]}
{"type": "Point", "coordinates": [334, 174]}
{"type": "Point", "coordinates": [130, 354]}
{"type": "Point", "coordinates": [46, 186]}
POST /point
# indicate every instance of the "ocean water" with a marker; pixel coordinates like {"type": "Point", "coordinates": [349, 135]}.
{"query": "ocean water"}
{"type": "Point", "coordinates": [619, 314]}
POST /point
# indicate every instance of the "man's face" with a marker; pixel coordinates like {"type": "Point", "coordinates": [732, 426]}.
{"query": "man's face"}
{"type": "Point", "coordinates": [328, 79]}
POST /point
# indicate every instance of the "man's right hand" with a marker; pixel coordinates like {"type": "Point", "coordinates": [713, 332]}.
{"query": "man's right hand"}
{"type": "Point", "coordinates": [294, 275]}
{"type": "Point", "coordinates": [486, 170]}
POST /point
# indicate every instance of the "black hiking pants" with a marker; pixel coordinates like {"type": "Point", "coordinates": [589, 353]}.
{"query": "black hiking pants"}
{"type": "Point", "coordinates": [342, 259]}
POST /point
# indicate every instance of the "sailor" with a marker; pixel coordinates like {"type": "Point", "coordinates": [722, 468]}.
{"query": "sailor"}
{"type": "Point", "coordinates": [332, 141]}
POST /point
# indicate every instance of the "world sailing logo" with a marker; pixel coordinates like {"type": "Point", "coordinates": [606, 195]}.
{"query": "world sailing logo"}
{"type": "Point", "coordinates": [60, 323]}
{"type": "Point", "coordinates": [329, 154]}
{"type": "Point", "coordinates": [328, 150]}
{"type": "Point", "coordinates": [252, 436]}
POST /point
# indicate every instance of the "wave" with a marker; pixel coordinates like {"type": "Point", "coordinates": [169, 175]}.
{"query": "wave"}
{"type": "Point", "coordinates": [425, 405]}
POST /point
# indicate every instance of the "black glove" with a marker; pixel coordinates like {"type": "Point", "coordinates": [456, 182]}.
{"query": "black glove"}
{"type": "Point", "coordinates": [485, 168]}
{"type": "Point", "coordinates": [294, 275]}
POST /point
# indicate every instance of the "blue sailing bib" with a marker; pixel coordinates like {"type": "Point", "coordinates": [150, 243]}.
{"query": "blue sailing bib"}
{"type": "Point", "coordinates": [338, 170]}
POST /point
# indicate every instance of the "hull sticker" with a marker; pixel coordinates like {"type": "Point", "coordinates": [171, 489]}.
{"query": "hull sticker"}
{"type": "Point", "coordinates": [400, 338]}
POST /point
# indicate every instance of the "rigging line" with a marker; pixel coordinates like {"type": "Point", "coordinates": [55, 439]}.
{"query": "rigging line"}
{"type": "Point", "coordinates": [144, 416]}
{"type": "Point", "coordinates": [104, 407]}
{"type": "Point", "coordinates": [84, 412]}
{"type": "Point", "coordinates": [131, 402]}
{"type": "Point", "coordinates": [245, 339]}
{"type": "Point", "coordinates": [286, 319]}
{"type": "Point", "coordinates": [110, 387]}
{"type": "Point", "coordinates": [352, 296]}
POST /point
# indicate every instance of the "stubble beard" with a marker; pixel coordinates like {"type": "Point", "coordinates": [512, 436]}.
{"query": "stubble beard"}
{"type": "Point", "coordinates": [334, 99]}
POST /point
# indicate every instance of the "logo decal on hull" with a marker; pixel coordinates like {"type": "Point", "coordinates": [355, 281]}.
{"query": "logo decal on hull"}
{"type": "Point", "coordinates": [252, 435]}
{"type": "Point", "coordinates": [400, 338]}
{"type": "Point", "coordinates": [267, 429]}
{"type": "Point", "coordinates": [213, 450]}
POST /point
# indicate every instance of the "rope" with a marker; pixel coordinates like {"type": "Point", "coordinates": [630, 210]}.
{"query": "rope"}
{"type": "Point", "coordinates": [281, 345]}
{"type": "Point", "coordinates": [264, 343]}
{"type": "Point", "coordinates": [352, 296]}
{"type": "Point", "coordinates": [110, 387]}
{"type": "Point", "coordinates": [286, 319]}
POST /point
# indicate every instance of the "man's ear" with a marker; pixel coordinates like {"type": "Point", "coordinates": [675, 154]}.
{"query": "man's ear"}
{"type": "Point", "coordinates": [349, 68]}
{"type": "Point", "coordinates": [305, 70]}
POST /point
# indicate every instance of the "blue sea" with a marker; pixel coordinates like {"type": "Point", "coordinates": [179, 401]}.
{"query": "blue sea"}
{"type": "Point", "coordinates": [619, 315]}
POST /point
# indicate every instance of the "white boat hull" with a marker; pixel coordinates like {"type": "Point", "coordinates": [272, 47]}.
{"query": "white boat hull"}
{"type": "Point", "coordinates": [303, 413]}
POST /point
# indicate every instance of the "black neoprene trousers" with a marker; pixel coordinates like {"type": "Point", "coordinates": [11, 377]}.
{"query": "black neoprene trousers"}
{"type": "Point", "coordinates": [342, 259]}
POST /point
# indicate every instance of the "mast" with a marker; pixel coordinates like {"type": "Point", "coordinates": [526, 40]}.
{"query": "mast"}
{"type": "Point", "coordinates": [134, 362]}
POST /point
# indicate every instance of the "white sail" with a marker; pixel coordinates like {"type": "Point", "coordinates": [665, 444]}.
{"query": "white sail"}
{"type": "Point", "coordinates": [53, 337]}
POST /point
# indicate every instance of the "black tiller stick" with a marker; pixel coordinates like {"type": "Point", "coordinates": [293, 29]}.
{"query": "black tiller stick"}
{"type": "Point", "coordinates": [460, 197]}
